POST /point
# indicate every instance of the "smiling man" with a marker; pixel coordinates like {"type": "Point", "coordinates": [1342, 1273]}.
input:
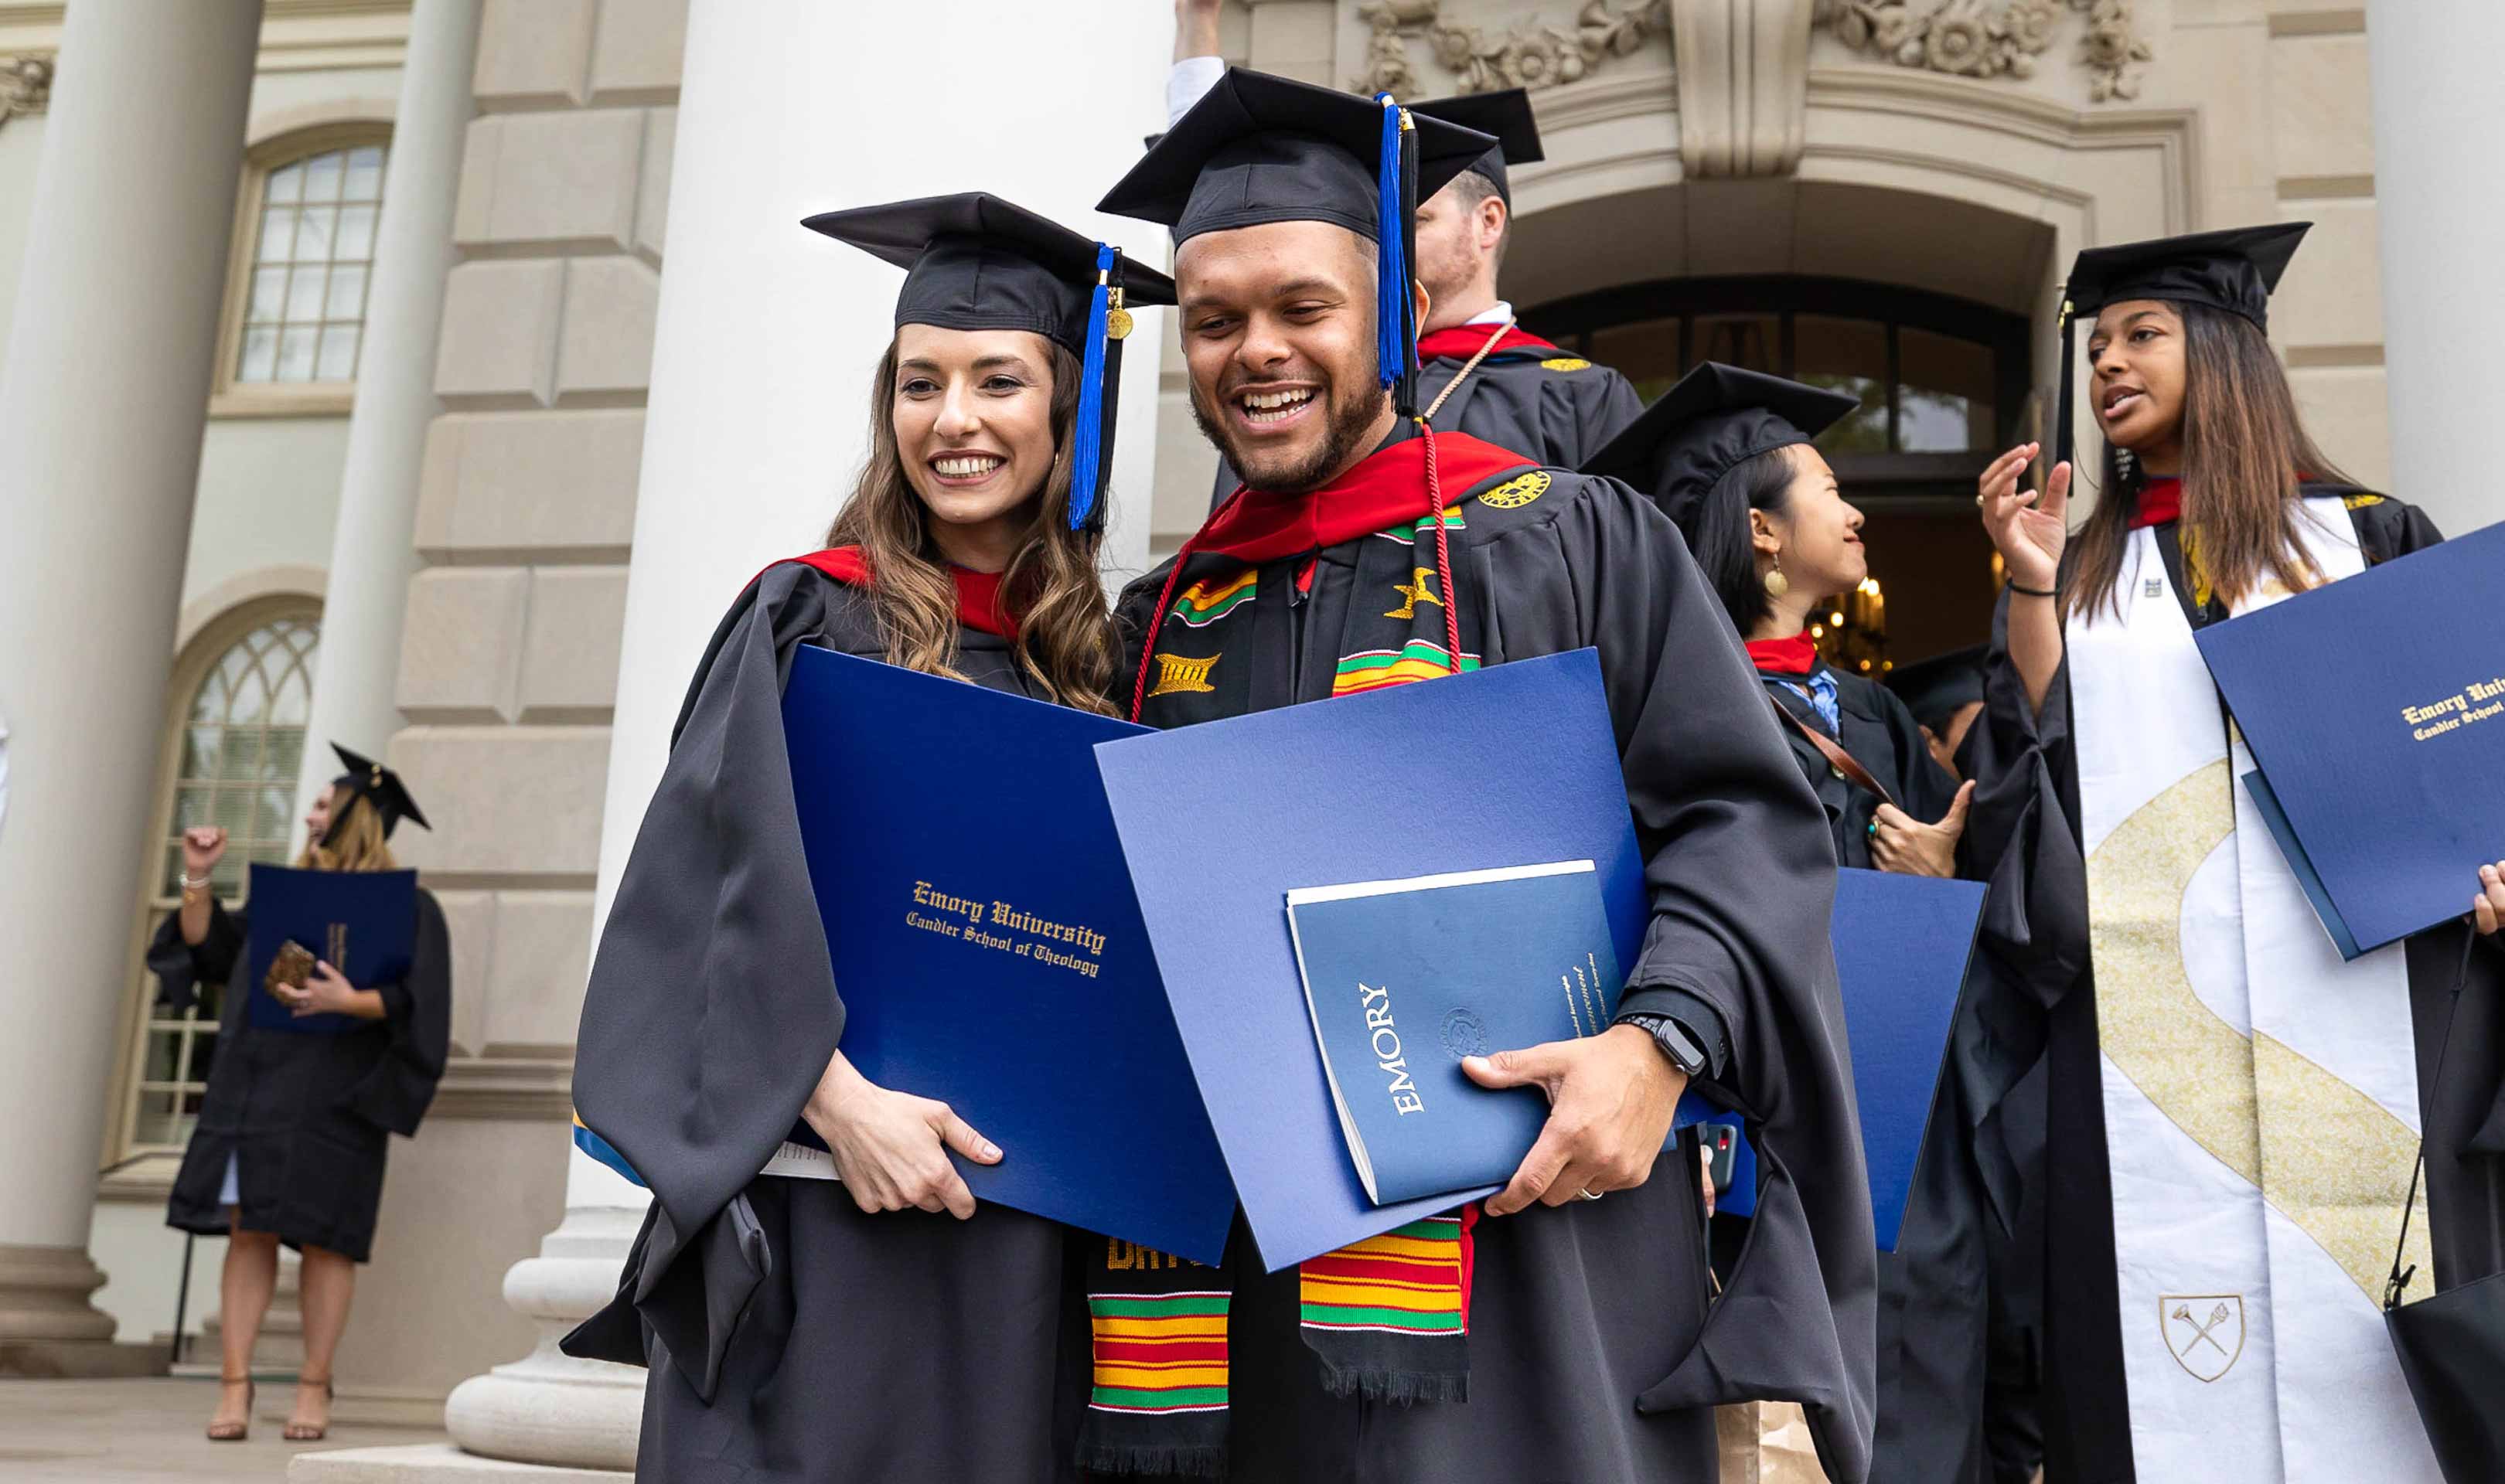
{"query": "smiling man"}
{"type": "Point", "coordinates": [1361, 554]}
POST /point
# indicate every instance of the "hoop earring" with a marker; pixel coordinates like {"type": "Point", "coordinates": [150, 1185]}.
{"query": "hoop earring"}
{"type": "Point", "coordinates": [1777, 584]}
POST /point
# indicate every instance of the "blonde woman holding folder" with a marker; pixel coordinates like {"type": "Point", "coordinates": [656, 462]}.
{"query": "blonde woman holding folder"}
{"type": "Point", "coordinates": [845, 1330]}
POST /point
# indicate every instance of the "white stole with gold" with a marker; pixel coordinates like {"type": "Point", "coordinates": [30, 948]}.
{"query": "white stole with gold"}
{"type": "Point", "coordinates": [2260, 1094]}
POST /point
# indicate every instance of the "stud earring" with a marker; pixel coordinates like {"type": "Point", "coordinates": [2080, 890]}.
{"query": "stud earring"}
{"type": "Point", "coordinates": [1777, 584]}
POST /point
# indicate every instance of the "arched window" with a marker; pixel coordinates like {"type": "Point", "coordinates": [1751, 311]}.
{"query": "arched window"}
{"type": "Point", "coordinates": [238, 747]}
{"type": "Point", "coordinates": [1943, 386]}
{"type": "Point", "coordinates": [304, 249]}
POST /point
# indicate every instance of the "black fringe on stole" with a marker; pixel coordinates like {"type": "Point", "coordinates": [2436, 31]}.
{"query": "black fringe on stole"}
{"type": "Point", "coordinates": [1189, 1463]}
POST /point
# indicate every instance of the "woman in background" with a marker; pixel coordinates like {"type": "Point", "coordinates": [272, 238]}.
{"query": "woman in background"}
{"type": "Point", "coordinates": [294, 1128]}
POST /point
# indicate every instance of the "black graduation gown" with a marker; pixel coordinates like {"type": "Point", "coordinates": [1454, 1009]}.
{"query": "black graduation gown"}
{"type": "Point", "coordinates": [2025, 827]}
{"type": "Point", "coordinates": [1594, 1350]}
{"type": "Point", "coordinates": [1935, 1289]}
{"type": "Point", "coordinates": [1543, 402]}
{"type": "Point", "coordinates": [790, 1336]}
{"type": "Point", "coordinates": [306, 1118]}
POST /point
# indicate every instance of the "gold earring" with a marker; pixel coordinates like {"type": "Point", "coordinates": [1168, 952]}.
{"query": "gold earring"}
{"type": "Point", "coordinates": [1777, 584]}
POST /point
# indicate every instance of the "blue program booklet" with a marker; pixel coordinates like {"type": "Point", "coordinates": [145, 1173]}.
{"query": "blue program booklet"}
{"type": "Point", "coordinates": [1221, 821]}
{"type": "Point", "coordinates": [2375, 708]}
{"type": "Point", "coordinates": [1404, 978]}
{"type": "Point", "coordinates": [988, 948]}
{"type": "Point", "coordinates": [362, 924]}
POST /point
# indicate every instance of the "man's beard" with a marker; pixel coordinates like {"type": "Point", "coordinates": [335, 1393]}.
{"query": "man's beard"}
{"type": "Point", "coordinates": [1343, 435]}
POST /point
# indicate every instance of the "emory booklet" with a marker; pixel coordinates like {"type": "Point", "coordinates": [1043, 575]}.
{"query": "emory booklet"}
{"type": "Point", "coordinates": [1403, 979]}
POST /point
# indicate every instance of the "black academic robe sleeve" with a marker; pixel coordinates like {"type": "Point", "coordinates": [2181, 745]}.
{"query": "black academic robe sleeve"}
{"type": "Point", "coordinates": [182, 968]}
{"type": "Point", "coordinates": [712, 1008]}
{"type": "Point", "coordinates": [418, 1011]}
{"type": "Point", "coordinates": [1741, 878]}
{"type": "Point", "coordinates": [1605, 411]}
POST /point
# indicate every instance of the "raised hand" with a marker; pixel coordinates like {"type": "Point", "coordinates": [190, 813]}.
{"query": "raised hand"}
{"type": "Point", "coordinates": [2028, 528]}
{"type": "Point", "coordinates": [203, 846]}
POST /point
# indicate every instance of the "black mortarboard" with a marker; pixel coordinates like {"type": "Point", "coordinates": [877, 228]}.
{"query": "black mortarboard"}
{"type": "Point", "coordinates": [2234, 270]}
{"type": "Point", "coordinates": [1934, 689]}
{"type": "Point", "coordinates": [1258, 149]}
{"type": "Point", "coordinates": [1505, 114]}
{"type": "Point", "coordinates": [974, 262]}
{"type": "Point", "coordinates": [1718, 418]}
{"type": "Point", "coordinates": [379, 787]}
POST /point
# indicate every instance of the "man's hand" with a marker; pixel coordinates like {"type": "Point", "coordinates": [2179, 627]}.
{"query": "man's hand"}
{"type": "Point", "coordinates": [891, 1148]}
{"type": "Point", "coordinates": [1611, 1098]}
{"type": "Point", "coordinates": [2487, 908]}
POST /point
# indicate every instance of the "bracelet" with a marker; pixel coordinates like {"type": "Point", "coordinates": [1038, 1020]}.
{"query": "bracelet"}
{"type": "Point", "coordinates": [2033, 592]}
{"type": "Point", "coordinates": [190, 884]}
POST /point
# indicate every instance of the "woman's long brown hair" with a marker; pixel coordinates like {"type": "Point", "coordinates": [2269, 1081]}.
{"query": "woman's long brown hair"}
{"type": "Point", "coordinates": [1065, 633]}
{"type": "Point", "coordinates": [2243, 451]}
{"type": "Point", "coordinates": [356, 842]}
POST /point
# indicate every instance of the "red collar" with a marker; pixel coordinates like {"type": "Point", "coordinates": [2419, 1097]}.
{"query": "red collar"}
{"type": "Point", "coordinates": [2161, 500]}
{"type": "Point", "coordinates": [978, 594]}
{"type": "Point", "coordinates": [1386, 488]}
{"type": "Point", "coordinates": [1793, 656]}
{"type": "Point", "coordinates": [1460, 343]}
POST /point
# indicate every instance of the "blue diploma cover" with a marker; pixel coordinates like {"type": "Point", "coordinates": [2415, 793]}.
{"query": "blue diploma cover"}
{"type": "Point", "coordinates": [362, 924]}
{"type": "Point", "coordinates": [2375, 708]}
{"type": "Point", "coordinates": [988, 948]}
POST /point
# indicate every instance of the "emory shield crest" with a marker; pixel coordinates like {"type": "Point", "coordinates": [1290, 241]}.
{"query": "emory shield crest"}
{"type": "Point", "coordinates": [2204, 1333]}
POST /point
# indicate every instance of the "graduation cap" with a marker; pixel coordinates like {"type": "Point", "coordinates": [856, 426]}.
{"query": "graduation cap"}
{"type": "Point", "coordinates": [1718, 418]}
{"type": "Point", "coordinates": [1934, 689]}
{"type": "Point", "coordinates": [379, 786]}
{"type": "Point", "coordinates": [974, 262]}
{"type": "Point", "coordinates": [2234, 270]}
{"type": "Point", "coordinates": [1505, 114]}
{"type": "Point", "coordinates": [1258, 149]}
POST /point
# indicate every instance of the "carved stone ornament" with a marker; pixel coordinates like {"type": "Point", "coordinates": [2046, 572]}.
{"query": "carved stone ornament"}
{"type": "Point", "coordinates": [1989, 38]}
{"type": "Point", "coordinates": [1532, 54]}
{"type": "Point", "coordinates": [26, 85]}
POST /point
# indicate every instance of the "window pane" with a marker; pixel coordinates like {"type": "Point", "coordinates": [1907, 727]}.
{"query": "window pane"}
{"type": "Point", "coordinates": [1645, 353]}
{"type": "Point", "coordinates": [1751, 341]}
{"type": "Point", "coordinates": [278, 234]}
{"type": "Point", "coordinates": [314, 233]}
{"type": "Point", "coordinates": [268, 294]}
{"type": "Point", "coordinates": [276, 804]}
{"type": "Point", "coordinates": [200, 743]}
{"type": "Point", "coordinates": [296, 354]}
{"type": "Point", "coordinates": [321, 177]}
{"type": "Point", "coordinates": [1944, 404]}
{"type": "Point", "coordinates": [356, 235]}
{"type": "Point", "coordinates": [192, 806]}
{"type": "Point", "coordinates": [260, 359]}
{"type": "Point", "coordinates": [1848, 355]}
{"type": "Point", "coordinates": [163, 1059]}
{"type": "Point", "coordinates": [365, 180]}
{"type": "Point", "coordinates": [347, 300]}
{"type": "Point", "coordinates": [155, 1122]}
{"type": "Point", "coordinates": [338, 354]}
{"type": "Point", "coordinates": [304, 295]}
{"type": "Point", "coordinates": [286, 185]}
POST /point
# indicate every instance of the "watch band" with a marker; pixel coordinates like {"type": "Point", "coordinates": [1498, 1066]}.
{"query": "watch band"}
{"type": "Point", "coordinates": [1674, 1041]}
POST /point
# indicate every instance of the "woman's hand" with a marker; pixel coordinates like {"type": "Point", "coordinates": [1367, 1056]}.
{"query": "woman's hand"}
{"type": "Point", "coordinates": [327, 991]}
{"type": "Point", "coordinates": [892, 1148]}
{"type": "Point", "coordinates": [2028, 530]}
{"type": "Point", "coordinates": [2487, 908]}
{"type": "Point", "coordinates": [203, 847]}
{"type": "Point", "coordinates": [1904, 844]}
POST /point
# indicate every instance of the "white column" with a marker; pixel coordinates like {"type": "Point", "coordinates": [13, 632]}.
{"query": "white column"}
{"type": "Point", "coordinates": [2439, 130]}
{"type": "Point", "coordinates": [104, 391]}
{"type": "Point", "coordinates": [372, 554]}
{"type": "Point", "coordinates": [761, 366]}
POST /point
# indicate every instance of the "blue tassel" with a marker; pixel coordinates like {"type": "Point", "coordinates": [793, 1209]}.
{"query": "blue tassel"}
{"type": "Point", "coordinates": [1392, 292]}
{"type": "Point", "coordinates": [1087, 439]}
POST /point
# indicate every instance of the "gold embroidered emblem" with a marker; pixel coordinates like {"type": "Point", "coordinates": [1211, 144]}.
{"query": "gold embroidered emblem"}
{"type": "Point", "coordinates": [1514, 494]}
{"type": "Point", "coordinates": [2204, 1333]}
{"type": "Point", "coordinates": [2360, 501]}
{"type": "Point", "coordinates": [1181, 674]}
{"type": "Point", "coordinates": [1415, 592]}
{"type": "Point", "coordinates": [1565, 363]}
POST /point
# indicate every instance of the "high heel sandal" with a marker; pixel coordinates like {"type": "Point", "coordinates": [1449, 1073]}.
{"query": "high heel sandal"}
{"type": "Point", "coordinates": [234, 1431]}
{"type": "Point", "coordinates": [307, 1432]}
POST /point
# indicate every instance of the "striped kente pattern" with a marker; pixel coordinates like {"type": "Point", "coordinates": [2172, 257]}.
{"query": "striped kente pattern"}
{"type": "Point", "coordinates": [1415, 661]}
{"type": "Point", "coordinates": [1407, 536]}
{"type": "Point", "coordinates": [1159, 1352]}
{"type": "Point", "coordinates": [1411, 1280]}
{"type": "Point", "coordinates": [1210, 600]}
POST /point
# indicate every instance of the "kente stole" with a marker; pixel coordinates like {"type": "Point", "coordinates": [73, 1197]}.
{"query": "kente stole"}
{"type": "Point", "coordinates": [1387, 1318]}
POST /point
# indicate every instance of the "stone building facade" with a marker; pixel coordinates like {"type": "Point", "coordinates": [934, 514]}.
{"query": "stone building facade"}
{"type": "Point", "coordinates": [493, 549]}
